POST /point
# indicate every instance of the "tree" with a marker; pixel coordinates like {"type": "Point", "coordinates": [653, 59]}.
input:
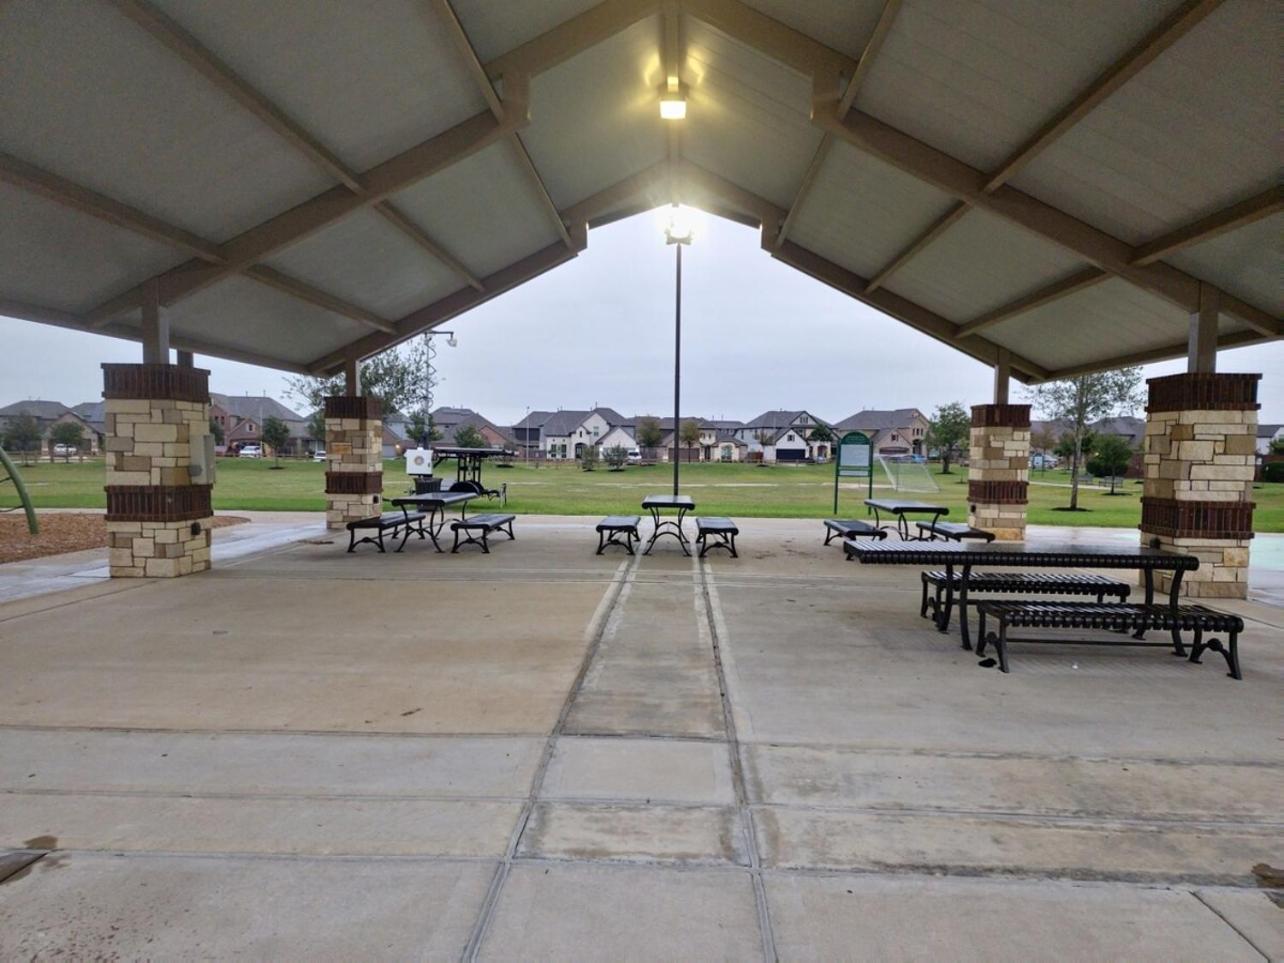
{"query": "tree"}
{"type": "Point", "coordinates": [689, 433]}
{"type": "Point", "coordinates": [467, 436]}
{"type": "Point", "coordinates": [948, 428]}
{"type": "Point", "coordinates": [396, 377]}
{"type": "Point", "coordinates": [1110, 459]}
{"type": "Point", "coordinates": [316, 427]}
{"type": "Point", "coordinates": [68, 433]}
{"type": "Point", "coordinates": [217, 431]}
{"type": "Point", "coordinates": [616, 457]}
{"type": "Point", "coordinates": [1043, 440]}
{"type": "Point", "coordinates": [23, 435]}
{"type": "Point", "coordinates": [649, 433]}
{"type": "Point", "coordinates": [820, 433]}
{"type": "Point", "coordinates": [1083, 399]}
{"type": "Point", "coordinates": [276, 434]}
{"type": "Point", "coordinates": [588, 457]}
{"type": "Point", "coordinates": [1277, 446]}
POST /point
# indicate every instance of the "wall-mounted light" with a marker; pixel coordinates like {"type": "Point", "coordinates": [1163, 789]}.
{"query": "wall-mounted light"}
{"type": "Point", "coordinates": [673, 100]}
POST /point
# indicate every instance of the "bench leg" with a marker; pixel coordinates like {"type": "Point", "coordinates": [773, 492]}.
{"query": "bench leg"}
{"type": "Point", "coordinates": [829, 535]}
{"type": "Point", "coordinates": [601, 542]}
{"type": "Point", "coordinates": [455, 548]}
{"type": "Point", "coordinates": [1002, 645]}
{"type": "Point", "coordinates": [922, 605]}
{"type": "Point", "coordinates": [382, 551]}
{"type": "Point", "coordinates": [352, 539]}
{"type": "Point", "coordinates": [511, 536]}
{"type": "Point", "coordinates": [1229, 651]}
{"type": "Point", "coordinates": [405, 537]}
{"type": "Point", "coordinates": [982, 637]}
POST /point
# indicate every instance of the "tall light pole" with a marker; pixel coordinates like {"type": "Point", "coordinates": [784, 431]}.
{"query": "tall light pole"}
{"type": "Point", "coordinates": [678, 233]}
{"type": "Point", "coordinates": [430, 377]}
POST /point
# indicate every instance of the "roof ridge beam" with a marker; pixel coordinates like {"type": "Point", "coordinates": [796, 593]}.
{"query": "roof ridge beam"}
{"type": "Point", "coordinates": [278, 232]}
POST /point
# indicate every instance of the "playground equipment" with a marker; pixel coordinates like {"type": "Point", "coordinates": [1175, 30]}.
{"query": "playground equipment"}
{"type": "Point", "coordinates": [13, 475]}
{"type": "Point", "coordinates": [907, 475]}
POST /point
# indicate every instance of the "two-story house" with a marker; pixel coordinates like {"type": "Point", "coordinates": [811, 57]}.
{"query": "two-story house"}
{"type": "Point", "coordinates": [784, 436]}
{"type": "Point", "coordinates": [899, 431]}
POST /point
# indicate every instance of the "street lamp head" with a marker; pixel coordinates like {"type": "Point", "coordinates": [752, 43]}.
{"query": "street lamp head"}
{"type": "Point", "coordinates": [679, 228]}
{"type": "Point", "coordinates": [452, 341]}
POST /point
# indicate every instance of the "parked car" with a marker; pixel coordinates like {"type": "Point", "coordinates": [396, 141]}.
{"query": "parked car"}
{"type": "Point", "coordinates": [634, 456]}
{"type": "Point", "coordinates": [66, 450]}
{"type": "Point", "coordinates": [319, 455]}
{"type": "Point", "coordinates": [1043, 460]}
{"type": "Point", "coordinates": [250, 451]}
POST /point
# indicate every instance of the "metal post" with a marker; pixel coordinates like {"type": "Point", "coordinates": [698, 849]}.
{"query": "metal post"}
{"type": "Point", "coordinates": [1201, 353]}
{"type": "Point", "coordinates": [677, 368]}
{"type": "Point", "coordinates": [155, 326]}
{"type": "Point", "coordinates": [351, 376]}
{"type": "Point", "coordinates": [1002, 376]}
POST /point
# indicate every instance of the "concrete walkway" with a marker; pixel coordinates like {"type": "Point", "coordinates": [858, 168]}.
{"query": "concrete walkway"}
{"type": "Point", "coordinates": [544, 754]}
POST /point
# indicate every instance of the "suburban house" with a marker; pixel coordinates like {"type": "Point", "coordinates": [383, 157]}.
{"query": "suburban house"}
{"type": "Point", "coordinates": [47, 414]}
{"type": "Point", "coordinates": [1267, 434]}
{"type": "Point", "coordinates": [565, 434]}
{"type": "Point", "coordinates": [450, 420]}
{"type": "Point", "coordinates": [784, 436]}
{"type": "Point", "coordinates": [704, 449]}
{"type": "Point", "coordinates": [242, 416]}
{"type": "Point", "coordinates": [899, 431]}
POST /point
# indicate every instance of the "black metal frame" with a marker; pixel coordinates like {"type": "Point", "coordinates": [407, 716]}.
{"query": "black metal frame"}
{"type": "Point", "coordinates": [609, 534]}
{"type": "Point", "coordinates": [667, 526]}
{"type": "Point", "coordinates": [382, 523]}
{"type": "Point", "coordinates": [468, 525]}
{"type": "Point", "coordinates": [851, 528]}
{"type": "Point", "coordinates": [902, 523]}
{"type": "Point", "coordinates": [1115, 617]}
{"type": "Point", "coordinates": [725, 537]}
{"type": "Point", "coordinates": [434, 503]}
{"type": "Point", "coordinates": [1014, 583]}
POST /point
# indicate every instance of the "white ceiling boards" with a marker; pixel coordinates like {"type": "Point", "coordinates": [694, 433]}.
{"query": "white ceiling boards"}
{"type": "Point", "coordinates": [313, 181]}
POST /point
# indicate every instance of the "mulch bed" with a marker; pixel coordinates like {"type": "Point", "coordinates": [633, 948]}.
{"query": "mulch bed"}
{"type": "Point", "coordinates": [63, 532]}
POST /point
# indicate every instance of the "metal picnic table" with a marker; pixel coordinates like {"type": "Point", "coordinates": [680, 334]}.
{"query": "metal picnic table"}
{"type": "Point", "coordinates": [668, 526]}
{"type": "Point", "coordinates": [434, 503]}
{"type": "Point", "coordinates": [903, 507]}
{"type": "Point", "coordinates": [1018, 555]}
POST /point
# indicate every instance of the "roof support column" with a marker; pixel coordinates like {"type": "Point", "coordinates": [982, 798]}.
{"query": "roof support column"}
{"type": "Point", "coordinates": [353, 459]}
{"type": "Point", "coordinates": [999, 468]}
{"type": "Point", "coordinates": [351, 376]}
{"type": "Point", "coordinates": [155, 326]}
{"type": "Point", "coordinates": [1002, 375]}
{"type": "Point", "coordinates": [185, 359]}
{"type": "Point", "coordinates": [1201, 352]}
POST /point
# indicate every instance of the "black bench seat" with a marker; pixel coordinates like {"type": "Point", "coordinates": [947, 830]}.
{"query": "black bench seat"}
{"type": "Point", "coordinates": [850, 528]}
{"type": "Point", "coordinates": [723, 531]}
{"type": "Point", "coordinates": [612, 527]}
{"type": "Point", "coordinates": [485, 524]}
{"type": "Point", "coordinates": [387, 522]}
{"type": "Point", "coordinates": [1013, 583]}
{"type": "Point", "coordinates": [954, 531]}
{"type": "Point", "coordinates": [1114, 617]}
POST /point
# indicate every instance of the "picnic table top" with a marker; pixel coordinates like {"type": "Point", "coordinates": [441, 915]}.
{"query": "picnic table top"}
{"type": "Point", "coordinates": [438, 499]}
{"type": "Point", "coordinates": [901, 505]}
{"type": "Point", "coordinates": [668, 501]}
{"type": "Point", "coordinates": [1043, 555]}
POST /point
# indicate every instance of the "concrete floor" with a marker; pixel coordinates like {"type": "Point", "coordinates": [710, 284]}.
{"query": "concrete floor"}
{"type": "Point", "coordinates": [543, 754]}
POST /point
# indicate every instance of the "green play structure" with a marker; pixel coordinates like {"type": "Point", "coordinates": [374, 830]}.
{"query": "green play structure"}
{"type": "Point", "coordinates": [13, 475]}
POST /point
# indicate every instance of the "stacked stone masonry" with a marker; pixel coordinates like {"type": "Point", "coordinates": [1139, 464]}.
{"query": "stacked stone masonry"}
{"type": "Point", "coordinates": [1198, 485]}
{"type": "Point", "coordinates": [354, 459]}
{"type": "Point", "coordinates": [158, 520]}
{"type": "Point", "coordinates": [999, 470]}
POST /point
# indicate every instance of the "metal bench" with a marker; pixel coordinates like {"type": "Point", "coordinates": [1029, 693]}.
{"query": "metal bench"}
{"type": "Point", "coordinates": [1011, 583]}
{"type": "Point", "coordinates": [388, 521]}
{"type": "Point", "coordinates": [612, 527]}
{"type": "Point", "coordinates": [722, 530]}
{"type": "Point", "coordinates": [1115, 617]}
{"type": "Point", "coordinates": [954, 531]}
{"type": "Point", "coordinates": [484, 524]}
{"type": "Point", "coordinates": [850, 528]}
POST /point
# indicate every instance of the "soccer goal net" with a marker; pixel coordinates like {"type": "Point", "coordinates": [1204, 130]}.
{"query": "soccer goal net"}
{"type": "Point", "coordinates": [905, 474]}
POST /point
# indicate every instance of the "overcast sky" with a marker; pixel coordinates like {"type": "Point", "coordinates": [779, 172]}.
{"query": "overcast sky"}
{"type": "Point", "coordinates": [599, 330]}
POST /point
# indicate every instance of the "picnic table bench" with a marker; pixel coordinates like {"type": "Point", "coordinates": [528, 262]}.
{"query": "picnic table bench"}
{"type": "Point", "coordinates": [388, 521]}
{"type": "Point", "coordinates": [954, 531]}
{"type": "Point", "coordinates": [485, 524]}
{"type": "Point", "coordinates": [612, 527]}
{"type": "Point", "coordinates": [723, 531]}
{"type": "Point", "coordinates": [901, 508]}
{"type": "Point", "coordinates": [1013, 583]}
{"type": "Point", "coordinates": [850, 528]}
{"type": "Point", "coordinates": [1117, 617]}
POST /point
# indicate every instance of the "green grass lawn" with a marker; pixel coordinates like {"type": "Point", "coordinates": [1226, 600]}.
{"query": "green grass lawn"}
{"type": "Point", "coordinates": [804, 491]}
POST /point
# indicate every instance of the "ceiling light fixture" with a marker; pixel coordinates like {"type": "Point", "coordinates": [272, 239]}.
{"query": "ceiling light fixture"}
{"type": "Point", "coordinates": [673, 100]}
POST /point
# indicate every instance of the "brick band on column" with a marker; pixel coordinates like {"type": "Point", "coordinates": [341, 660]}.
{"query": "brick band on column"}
{"type": "Point", "coordinates": [158, 518]}
{"type": "Point", "coordinates": [1200, 453]}
{"type": "Point", "coordinates": [998, 469]}
{"type": "Point", "coordinates": [354, 458]}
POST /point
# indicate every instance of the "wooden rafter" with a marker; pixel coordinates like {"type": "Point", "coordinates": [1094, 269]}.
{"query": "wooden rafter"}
{"type": "Point", "coordinates": [911, 250]}
{"type": "Point", "coordinates": [1237, 215]}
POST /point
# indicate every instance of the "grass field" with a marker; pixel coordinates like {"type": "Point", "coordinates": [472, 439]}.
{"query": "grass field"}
{"type": "Point", "coordinates": [804, 491]}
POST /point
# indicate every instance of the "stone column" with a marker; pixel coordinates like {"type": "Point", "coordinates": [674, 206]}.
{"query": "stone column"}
{"type": "Point", "coordinates": [999, 469]}
{"type": "Point", "coordinates": [1201, 435]}
{"type": "Point", "coordinates": [158, 517]}
{"type": "Point", "coordinates": [354, 459]}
